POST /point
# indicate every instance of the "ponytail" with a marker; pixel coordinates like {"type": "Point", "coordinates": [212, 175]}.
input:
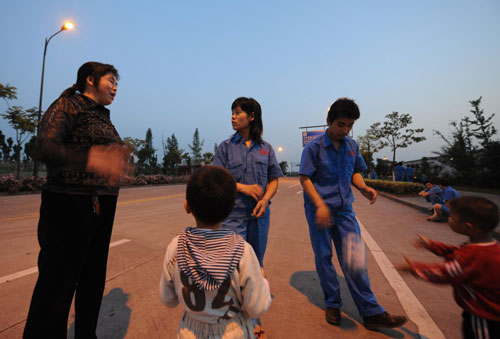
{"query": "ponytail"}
{"type": "Point", "coordinates": [70, 91]}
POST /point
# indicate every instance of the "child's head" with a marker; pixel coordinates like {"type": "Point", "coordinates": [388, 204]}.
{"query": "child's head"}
{"type": "Point", "coordinates": [473, 212]}
{"type": "Point", "coordinates": [210, 194]}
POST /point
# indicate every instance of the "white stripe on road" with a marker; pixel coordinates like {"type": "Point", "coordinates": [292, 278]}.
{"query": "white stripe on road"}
{"type": "Point", "coordinates": [119, 242]}
{"type": "Point", "coordinates": [299, 192]}
{"type": "Point", "coordinates": [32, 270]}
{"type": "Point", "coordinates": [294, 185]}
{"type": "Point", "coordinates": [412, 306]}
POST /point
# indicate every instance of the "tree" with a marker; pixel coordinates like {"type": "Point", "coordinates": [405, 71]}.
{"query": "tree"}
{"type": "Point", "coordinates": [459, 151]}
{"type": "Point", "coordinates": [147, 160]}
{"type": "Point", "coordinates": [24, 123]}
{"type": "Point", "coordinates": [29, 149]}
{"type": "Point", "coordinates": [474, 164]}
{"type": "Point", "coordinates": [196, 148]}
{"type": "Point", "coordinates": [284, 166]}
{"type": "Point", "coordinates": [8, 92]}
{"type": "Point", "coordinates": [484, 129]}
{"type": "Point", "coordinates": [5, 148]}
{"type": "Point", "coordinates": [208, 158]}
{"type": "Point", "coordinates": [369, 144]}
{"type": "Point", "coordinates": [395, 133]}
{"type": "Point", "coordinates": [172, 156]}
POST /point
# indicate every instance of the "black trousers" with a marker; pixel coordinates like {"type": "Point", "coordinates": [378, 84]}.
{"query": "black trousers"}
{"type": "Point", "coordinates": [74, 232]}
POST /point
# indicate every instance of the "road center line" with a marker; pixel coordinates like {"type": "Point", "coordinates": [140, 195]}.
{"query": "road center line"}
{"type": "Point", "coordinates": [36, 215]}
{"type": "Point", "coordinates": [294, 185]}
{"type": "Point", "coordinates": [32, 270]}
{"type": "Point", "coordinates": [299, 192]}
{"type": "Point", "coordinates": [412, 306]}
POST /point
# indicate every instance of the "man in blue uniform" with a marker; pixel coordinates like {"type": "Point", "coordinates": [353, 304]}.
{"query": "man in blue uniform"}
{"type": "Point", "coordinates": [441, 211]}
{"type": "Point", "coordinates": [399, 172]}
{"type": "Point", "coordinates": [329, 164]}
{"type": "Point", "coordinates": [409, 174]}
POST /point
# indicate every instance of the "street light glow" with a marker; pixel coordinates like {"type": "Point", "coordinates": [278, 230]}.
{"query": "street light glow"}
{"type": "Point", "coordinates": [67, 25]}
{"type": "Point", "coordinates": [280, 149]}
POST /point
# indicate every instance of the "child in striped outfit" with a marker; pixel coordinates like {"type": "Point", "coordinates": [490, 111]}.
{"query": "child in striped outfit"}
{"type": "Point", "coordinates": [212, 272]}
{"type": "Point", "coordinates": [471, 269]}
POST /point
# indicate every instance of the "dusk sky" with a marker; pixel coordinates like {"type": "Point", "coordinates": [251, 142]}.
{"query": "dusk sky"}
{"type": "Point", "coordinates": [182, 63]}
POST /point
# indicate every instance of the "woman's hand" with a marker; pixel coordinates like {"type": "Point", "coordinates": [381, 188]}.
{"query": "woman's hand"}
{"type": "Point", "coordinates": [254, 191]}
{"type": "Point", "coordinates": [108, 161]}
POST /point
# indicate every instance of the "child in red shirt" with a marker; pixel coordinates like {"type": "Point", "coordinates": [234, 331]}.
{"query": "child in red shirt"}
{"type": "Point", "coordinates": [472, 268]}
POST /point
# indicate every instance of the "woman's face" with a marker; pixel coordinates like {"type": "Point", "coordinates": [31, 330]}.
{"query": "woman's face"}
{"type": "Point", "coordinates": [105, 91]}
{"type": "Point", "coordinates": [240, 119]}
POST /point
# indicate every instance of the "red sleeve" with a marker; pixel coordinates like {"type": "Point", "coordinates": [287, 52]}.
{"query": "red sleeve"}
{"type": "Point", "coordinates": [442, 250]}
{"type": "Point", "coordinates": [453, 271]}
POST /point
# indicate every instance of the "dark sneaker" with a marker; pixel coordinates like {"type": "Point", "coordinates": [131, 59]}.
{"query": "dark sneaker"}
{"type": "Point", "coordinates": [384, 320]}
{"type": "Point", "coordinates": [332, 316]}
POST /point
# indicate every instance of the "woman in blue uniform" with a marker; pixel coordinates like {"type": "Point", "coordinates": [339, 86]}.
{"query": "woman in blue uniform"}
{"type": "Point", "coordinates": [253, 164]}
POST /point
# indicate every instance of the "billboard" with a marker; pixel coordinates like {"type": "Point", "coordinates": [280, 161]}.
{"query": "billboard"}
{"type": "Point", "coordinates": [307, 136]}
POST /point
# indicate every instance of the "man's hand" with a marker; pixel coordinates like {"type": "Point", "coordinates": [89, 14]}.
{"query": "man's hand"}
{"type": "Point", "coordinates": [260, 208]}
{"type": "Point", "coordinates": [254, 191]}
{"type": "Point", "coordinates": [323, 216]}
{"type": "Point", "coordinates": [370, 194]}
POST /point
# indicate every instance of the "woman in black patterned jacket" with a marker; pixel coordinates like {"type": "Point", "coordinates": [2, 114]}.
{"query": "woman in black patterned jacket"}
{"type": "Point", "coordinates": [85, 158]}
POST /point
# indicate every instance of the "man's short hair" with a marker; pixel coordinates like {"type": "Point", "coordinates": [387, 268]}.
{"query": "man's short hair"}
{"type": "Point", "coordinates": [343, 108]}
{"type": "Point", "coordinates": [478, 211]}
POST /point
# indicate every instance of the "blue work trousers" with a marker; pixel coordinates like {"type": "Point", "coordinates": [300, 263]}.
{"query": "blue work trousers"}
{"type": "Point", "coordinates": [253, 230]}
{"type": "Point", "coordinates": [359, 283]}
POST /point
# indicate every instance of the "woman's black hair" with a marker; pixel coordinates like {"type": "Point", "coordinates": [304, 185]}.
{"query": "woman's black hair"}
{"type": "Point", "coordinates": [249, 106]}
{"type": "Point", "coordinates": [96, 70]}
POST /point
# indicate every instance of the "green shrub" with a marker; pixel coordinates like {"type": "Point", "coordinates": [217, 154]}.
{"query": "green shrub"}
{"type": "Point", "coordinates": [399, 187]}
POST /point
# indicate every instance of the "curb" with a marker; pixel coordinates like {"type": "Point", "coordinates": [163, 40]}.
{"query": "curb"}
{"type": "Point", "coordinates": [412, 205]}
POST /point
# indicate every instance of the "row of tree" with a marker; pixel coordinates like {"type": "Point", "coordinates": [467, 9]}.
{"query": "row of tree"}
{"type": "Point", "coordinates": [176, 161]}
{"type": "Point", "coordinates": [469, 148]}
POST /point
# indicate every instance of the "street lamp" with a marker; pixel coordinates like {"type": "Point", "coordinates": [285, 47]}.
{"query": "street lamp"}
{"type": "Point", "coordinates": [67, 25]}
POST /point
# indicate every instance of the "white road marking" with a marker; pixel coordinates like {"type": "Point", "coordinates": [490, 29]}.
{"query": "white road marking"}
{"type": "Point", "coordinates": [299, 192]}
{"type": "Point", "coordinates": [412, 306]}
{"type": "Point", "coordinates": [32, 270]}
{"type": "Point", "coordinates": [294, 185]}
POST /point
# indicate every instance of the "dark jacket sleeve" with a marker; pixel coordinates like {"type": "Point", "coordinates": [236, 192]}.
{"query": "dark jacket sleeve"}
{"type": "Point", "coordinates": [53, 146]}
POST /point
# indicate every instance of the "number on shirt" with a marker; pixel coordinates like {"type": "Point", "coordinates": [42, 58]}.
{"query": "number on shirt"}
{"type": "Point", "coordinates": [199, 295]}
{"type": "Point", "coordinates": [187, 289]}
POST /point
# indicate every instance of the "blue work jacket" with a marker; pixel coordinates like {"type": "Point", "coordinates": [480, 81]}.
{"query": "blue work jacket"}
{"type": "Point", "coordinates": [331, 170]}
{"type": "Point", "coordinates": [256, 164]}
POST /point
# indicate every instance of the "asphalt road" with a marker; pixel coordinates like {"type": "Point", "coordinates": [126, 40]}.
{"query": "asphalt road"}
{"type": "Point", "coordinates": [149, 217]}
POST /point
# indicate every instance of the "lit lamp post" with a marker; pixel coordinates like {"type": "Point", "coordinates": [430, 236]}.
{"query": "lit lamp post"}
{"type": "Point", "coordinates": [67, 25]}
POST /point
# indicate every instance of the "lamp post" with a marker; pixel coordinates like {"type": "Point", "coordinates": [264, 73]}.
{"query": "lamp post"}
{"type": "Point", "coordinates": [67, 25]}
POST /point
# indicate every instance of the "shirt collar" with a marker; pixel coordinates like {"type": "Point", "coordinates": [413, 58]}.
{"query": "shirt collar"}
{"type": "Point", "coordinates": [328, 142]}
{"type": "Point", "coordinates": [89, 103]}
